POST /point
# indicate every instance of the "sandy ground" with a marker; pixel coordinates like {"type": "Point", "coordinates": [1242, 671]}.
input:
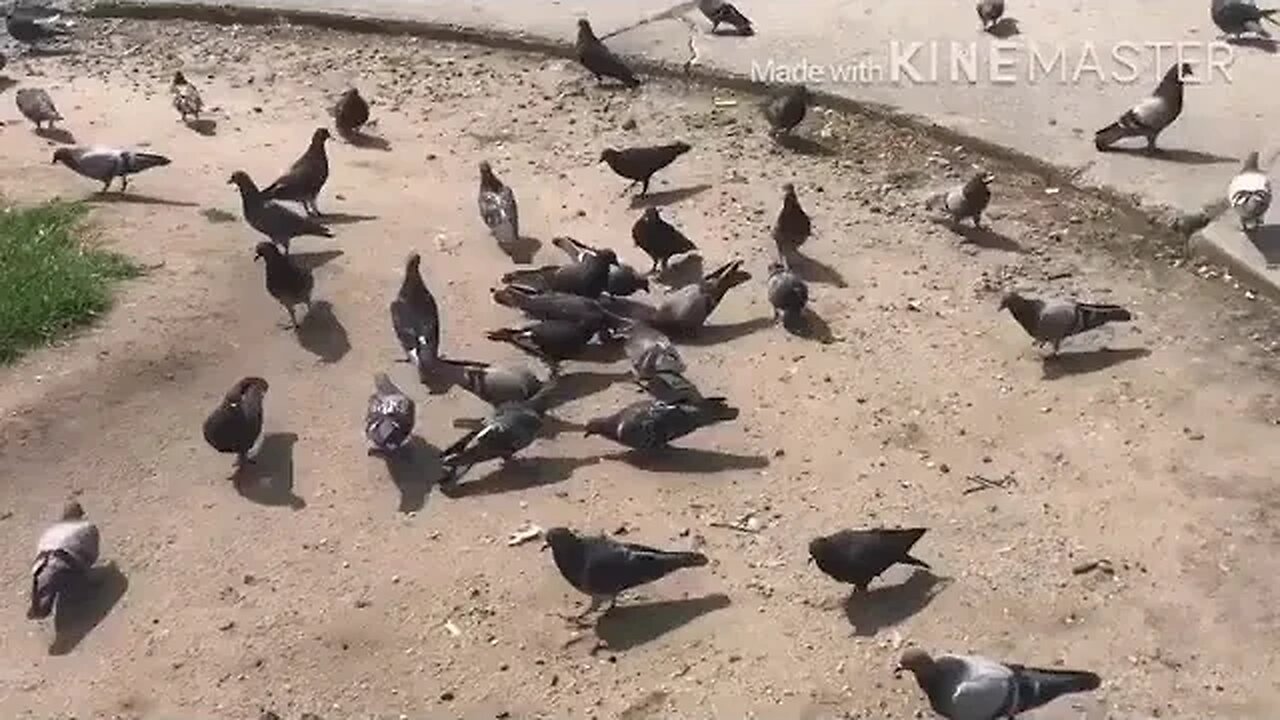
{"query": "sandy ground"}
{"type": "Point", "coordinates": [325, 585]}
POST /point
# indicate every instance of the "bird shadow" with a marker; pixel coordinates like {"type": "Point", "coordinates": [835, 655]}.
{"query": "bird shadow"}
{"type": "Point", "coordinates": [322, 334]}
{"type": "Point", "coordinates": [1088, 361]}
{"type": "Point", "coordinates": [814, 270]}
{"type": "Point", "coordinates": [206, 127]}
{"type": "Point", "coordinates": [668, 197]}
{"type": "Point", "coordinates": [804, 146]}
{"type": "Point", "coordinates": [122, 196]}
{"type": "Point", "coordinates": [57, 134]}
{"type": "Point", "coordinates": [688, 460]}
{"type": "Point", "coordinates": [888, 605]}
{"type": "Point", "coordinates": [729, 31]}
{"type": "Point", "coordinates": [367, 141]}
{"type": "Point", "coordinates": [313, 260]}
{"type": "Point", "coordinates": [44, 51]}
{"type": "Point", "coordinates": [811, 326]}
{"type": "Point", "coordinates": [716, 334]}
{"type": "Point", "coordinates": [1266, 45]}
{"type": "Point", "coordinates": [684, 272]}
{"type": "Point", "coordinates": [1181, 156]}
{"type": "Point", "coordinates": [339, 218]}
{"type": "Point", "coordinates": [83, 609]}
{"type": "Point", "coordinates": [6, 82]}
{"type": "Point", "coordinates": [268, 478]}
{"type": "Point", "coordinates": [628, 626]}
{"type": "Point", "coordinates": [1005, 28]}
{"type": "Point", "coordinates": [523, 250]}
{"type": "Point", "coordinates": [577, 385]}
{"type": "Point", "coordinates": [1267, 240]}
{"type": "Point", "coordinates": [414, 468]}
{"type": "Point", "coordinates": [985, 237]}
{"type": "Point", "coordinates": [519, 473]}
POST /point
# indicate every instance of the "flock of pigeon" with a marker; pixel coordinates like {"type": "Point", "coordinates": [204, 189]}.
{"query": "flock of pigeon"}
{"type": "Point", "coordinates": [586, 302]}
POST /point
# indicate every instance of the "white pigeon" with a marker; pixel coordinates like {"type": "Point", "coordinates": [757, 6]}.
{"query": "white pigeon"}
{"type": "Point", "coordinates": [64, 554]}
{"type": "Point", "coordinates": [971, 687]}
{"type": "Point", "coordinates": [1250, 193]}
{"type": "Point", "coordinates": [105, 164]}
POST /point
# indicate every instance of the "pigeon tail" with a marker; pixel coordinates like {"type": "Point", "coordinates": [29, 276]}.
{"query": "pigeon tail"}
{"type": "Point", "coordinates": [1036, 686]}
{"type": "Point", "coordinates": [676, 560]}
{"type": "Point", "coordinates": [1111, 134]}
{"type": "Point", "coordinates": [144, 161]}
{"type": "Point", "coordinates": [912, 560]}
{"type": "Point", "coordinates": [716, 410]}
{"type": "Point", "coordinates": [1092, 316]}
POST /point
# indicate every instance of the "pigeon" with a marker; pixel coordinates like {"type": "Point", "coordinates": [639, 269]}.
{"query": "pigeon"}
{"type": "Point", "coordinates": [415, 317]}
{"type": "Point", "coordinates": [350, 113]}
{"type": "Point", "coordinates": [106, 164]}
{"type": "Point", "coordinates": [186, 99]}
{"type": "Point", "coordinates": [971, 687]}
{"type": "Point", "coordinates": [305, 178]}
{"type": "Point", "coordinates": [653, 424]}
{"type": "Point", "coordinates": [1250, 193]}
{"type": "Point", "coordinates": [289, 284]}
{"type": "Point", "coordinates": [686, 309]}
{"type": "Point", "coordinates": [857, 557]}
{"type": "Point", "coordinates": [719, 11]}
{"type": "Point", "coordinates": [671, 386]}
{"type": "Point", "coordinates": [550, 305]}
{"type": "Point", "coordinates": [494, 384]}
{"type": "Point", "coordinates": [551, 341]}
{"type": "Point", "coordinates": [3, 61]}
{"type": "Point", "coordinates": [64, 554]}
{"type": "Point", "coordinates": [1237, 17]}
{"type": "Point", "coordinates": [969, 200]}
{"type": "Point", "coordinates": [1052, 321]}
{"type": "Point", "coordinates": [793, 225]}
{"type": "Point", "coordinates": [624, 280]}
{"type": "Point", "coordinates": [639, 164]}
{"type": "Point", "coordinates": [234, 426]}
{"type": "Point", "coordinates": [498, 209]}
{"type": "Point", "coordinates": [1151, 116]}
{"type": "Point", "coordinates": [511, 428]}
{"type": "Point", "coordinates": [600, 60]}
{"type": "Point", "coordinates": [33, 25]}
{"type": "Point", "coordinates": [650, 352]}
{"type": "Point", "coordinates": [788, 294]}
{"type": "Point", "coordinates": [603, 568]}
{"type": "Point", "coordinates": [36, 106]}
{"type": "Point", "coordinates": [659, 239]}
{"type": "Point", "coordinates": [989, 13]}
{"type": "Point", "coordinates": [272, 219]}
{"type": "Point", "coordinates": [787, 109]}
{"type": "Point", "coordinates": [388, 423]}
{"type": "Point", "coordinates": [588, 277]}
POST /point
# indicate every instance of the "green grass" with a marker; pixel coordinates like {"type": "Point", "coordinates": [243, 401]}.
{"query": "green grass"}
{"type": "Point", "coordinates": [51, 279]}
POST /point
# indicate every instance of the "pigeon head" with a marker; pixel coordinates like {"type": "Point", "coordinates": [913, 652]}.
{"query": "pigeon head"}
{"type": "Point", "coordinates": [487, 178]}
{"type": "Point", "coordinates": [246, 385]}
{"type": "Point", "coordinates": [351, 94]}
{"type": "Point", "coordinates": [49, 577]}
{"type": "Point", "coordinates": [651, 215]}
{"type": "Point", "coordinates": [179, 78]}
{"type": "Point", "coordinates": [610, 257]}
{"type": "Point", "coordinates": [241, 180]}
{"type": "Point", "coordinates": [267, 251]}
{"type": "Point", "coordinates": [917, 661]}
{"type": "Point", "coordinates": [1010, 300]}
{"type": "Point", "coordinates": [62, 155]}
{"type": "Point", "coordinates": [789, 190]}
{"type": "Point", "coordinates": [72, 511]}
{"type": "Point", "coordinates": [510, 295]}
{"type": "Point", "coordinates": [981, 177]}
{"type": "Point", "coordinates": [559, 538]}
{"type": "Point", "coordinates": [411, 263]}
{"type": "Point", "coordinates": [608, 155]}
{"type": "Point", "coordinates": [1251, 162]}
{"type": "Point", "coordinates": [776, 268]}
{"type": "Point", "coordinates": [596, 426]}
{"type": "Point", "coordinates": [681, 146]}
{"type": "Point", "coordinates": [584, 28]}
{"type": "Point", "coordinates": [319, 136]}
{"type": "Point", "coordinates": [800, 92]}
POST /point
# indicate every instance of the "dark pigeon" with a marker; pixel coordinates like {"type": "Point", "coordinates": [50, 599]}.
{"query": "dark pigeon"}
{"type": "Point", "coordinates": [653, 424]}
{"type": "Point", "coordinates": [64, 554]}
{"type": "Point", "coordinates": [788, 294]}
{"type": "Point", "coordinates": [857, 557]}
{"type": "Point", "coordinates": [272, 219]}
{"type": "Point", "coordinates": [687, 309]}
{"type": "Point", "coordinates": [105, 164]}
{"type": "Point", "coordinates": [36, 106]}
{"type": "Point", "coordinates": [1150, 117]}
{"type": "Point", "coordinates": [551, 341]}
{"type": "Point", "coordinates": [793, 226]}
{"type": "Point", "coordinates": [550, 305]}
{"type": "Point", "coordinates": [971, 687]}
{"type": "Point", "coordinates": [415, 318]}
{"type": "Point", "coordinates": [388, 420]}
{"type": "Point", "coordinates": [720, 11]}
{"type": "Point", "coordinates": [511, 428]}
{"type": "Point", "coordinates": [659, 239]}
{"type": "Point", "coordinates": [588, 277]}
{"type": "Point", "coordinates": [604, 568]}
{"type": "Point", "coordinates": [969, 200]}
{"type": "Point", "coordinates": [350, 114]}
{"type": "Point", "coordinates": [304, 179]}
{"type": "Point", "coordinates": [989, 13]}
{"type": "Point", "coordinates": [289, 284]}
{"type": "Point", "coordinates": [494, 384]}
{"type": "Point", "coordinates": [33, 25]}
{"type": "Point", "coordinates": [1052, 321]}
{"type": "Point", "coordinates": [234, 426]}
{"type": "Point", "coordinates": [624, 280]}
{"type": "Point", "coordinates": [787, 109]}
{"type": "Point", "coordinates": [1238, 17]}
{"type": "Point", "coordinates": [639, 164]}
{"type": "Point", "coordinates": [498, 210]}
{"type": "Point", "coordinates": [600, 60]}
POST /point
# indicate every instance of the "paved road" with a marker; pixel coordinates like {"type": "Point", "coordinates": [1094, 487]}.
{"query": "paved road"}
{"type": "Point", "coordinates": [1228, 115]}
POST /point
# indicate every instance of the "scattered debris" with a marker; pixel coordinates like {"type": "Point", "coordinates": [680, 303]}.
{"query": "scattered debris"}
{"type": "Point", "coordinates": [747, 523]}
{"type": "Point", "coordinates": [452, 629]}
{"type": "Point", "coordinates": [978, 483]}
{"type": "Point", "coordinates": [524, 534]}
{"type": "Point", "coordinates": [1102, 564]}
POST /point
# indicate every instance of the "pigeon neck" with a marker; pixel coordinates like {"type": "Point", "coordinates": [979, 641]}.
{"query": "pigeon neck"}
{"type": "Point", "coordinates": [1024, 311]}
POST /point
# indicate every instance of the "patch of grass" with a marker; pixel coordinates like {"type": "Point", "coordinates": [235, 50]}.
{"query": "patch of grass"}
{"type": "Point", "coordinates": [51, 280]}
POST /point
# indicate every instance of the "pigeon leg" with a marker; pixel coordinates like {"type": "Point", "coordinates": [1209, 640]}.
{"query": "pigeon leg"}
{"type": "Point", "coordinates": [293, 319]}
{"type": "Point", "coordinates": [644, 189]}
{"type": "Point", "coordinates": [124, 183]}
{"type": "Point", "coordinates": [106, 186]}
{"type": "Point", "coordinates": [1151, 144]}
{"type": "Point", "coordinates": [596, 602]}
{"type": "Point", "coordinates": [977, 220]}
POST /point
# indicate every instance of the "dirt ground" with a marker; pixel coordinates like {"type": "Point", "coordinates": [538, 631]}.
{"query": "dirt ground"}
{"type": "Point", "coordinates": [323, 584]}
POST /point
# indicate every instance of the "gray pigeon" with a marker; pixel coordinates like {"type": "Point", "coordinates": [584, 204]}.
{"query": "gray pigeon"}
{"type": "Point", "coordinates": [33, 24]}
{"type": "Point", "coordinates": [498, 209]}
{"type": "Point", "coordinates": [1150, 117]}
{"type": "Point", "coordinates": [971, 687]}
{"type": "Point", "coordinates": [388, 422]}
{"type": "Point", "coordinates": [1250, 193]}
{"type": "Point", "coordinates": [289, 284]}
{"type": "Point", "coordinates": [1052, 321]}
{"type": "Point", "coordinates": [857, 557]}
{"type": "Point", "coordinates": [511, 428]}
{"type": "Point", "coordinates": [415, 318]}
{"type": "Point", "coordinates": [653, 424]}
{"type": "Point", "coordinates": [234, 426]}
{"type": "Point", "coordinates": [603, 568]}
{"type": "Point", "coordinates": [969, 200]}
{"type": "Point", "coordinates": [650, 352]}
{"type": "Point", "coordinates": [720, 11]}
{"type": "Point", "coordinates": [788, 294]}
{"type": "Point", "coordinates": [793, 225]}
{"type": "Point", "coordinates": [588, 277]}
{"type": "Point", "coordinates": [549, 305]}
{"type": "Point", "coordinates": [64, 554]}
{"type": "Point", "coordinates": [1238, 17]}
{"type": "Point", "coordinates": [306, 177]}
{"type": "Point", "coordinates": [787, 109]}
{"type": "Point", "coordinates": [989, 13]}
{"type": "Point", "coordinates": [687, 309]}
{"type": "Point", "coordinates": [106, 164]}
{"type": "Point", "coordinates": [671, 386]}
{"type": "Point", "coordinates": [36, 106]}
{"type": "Point", "coordinates": [186, 99]}
{"type": "Point", "coordinates": [494, 384]}
{"type": "Point", "coordinates": [270, 217]}
{"type": "Point", "coordinates": [600, 60]}
{"type": "Point", "coordinates": [624, 279]}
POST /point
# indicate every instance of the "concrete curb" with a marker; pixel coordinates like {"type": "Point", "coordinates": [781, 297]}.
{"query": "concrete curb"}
{"type": "Point", "coordinates": [1224, 243]}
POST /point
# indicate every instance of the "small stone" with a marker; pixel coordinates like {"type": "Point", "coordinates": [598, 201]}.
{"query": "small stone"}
{"type": "Point", "coordinates": [362, 603]}
{"type": "Point", "coordinates": [629, 124]}
{"type": "Point", "coordinates": [446, 696]}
